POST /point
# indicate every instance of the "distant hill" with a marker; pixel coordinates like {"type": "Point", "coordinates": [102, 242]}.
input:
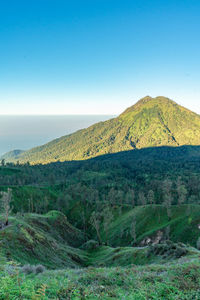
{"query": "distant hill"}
{"type": "Point", "coordinates": [12, 155]}
{"type": "Point", "coordinates": [151, 122]}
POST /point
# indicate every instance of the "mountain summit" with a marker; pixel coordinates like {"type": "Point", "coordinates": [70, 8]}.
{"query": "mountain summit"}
{"type": "Point", "coordinates": [151, 122]}
{"type": "Point", "coordinates": [147, 99]}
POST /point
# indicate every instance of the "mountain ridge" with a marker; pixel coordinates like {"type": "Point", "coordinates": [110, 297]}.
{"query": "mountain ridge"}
{"type": "Point", "coordinates": [150, 122]}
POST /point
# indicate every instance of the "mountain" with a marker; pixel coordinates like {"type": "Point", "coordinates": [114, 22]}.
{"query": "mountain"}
{"type": "Point", "coordinates": [12, 155]}
{"type": "Point", "coordinates": [151, 122]}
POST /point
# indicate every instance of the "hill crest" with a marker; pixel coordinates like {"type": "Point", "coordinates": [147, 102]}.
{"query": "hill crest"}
{"type": "Point", "coordinates": [159, 100]}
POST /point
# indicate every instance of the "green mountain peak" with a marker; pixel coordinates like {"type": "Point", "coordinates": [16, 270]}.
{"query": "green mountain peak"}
{"type": "Point", "coordinates": [146, 101]}
{"type": "Point", "coordinates": [151, 122]}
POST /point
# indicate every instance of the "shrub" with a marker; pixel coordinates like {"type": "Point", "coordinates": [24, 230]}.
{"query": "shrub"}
{"type": "Point", "coordinates": [9, 270]}
{"type": "Point", "coordinates": [39, 269]}
{"type": "Point", "coordinates": [90, 245]}
{"type": "Point", "coordinates": [168, 249]}
{"type": "Point", "coordinates": [28, 269]}
{"type": "Point", "coordinates": [2, 261]}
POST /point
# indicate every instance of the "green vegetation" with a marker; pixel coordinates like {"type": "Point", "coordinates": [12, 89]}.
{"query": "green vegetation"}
{"type": "Point", "coordinates": [47, 239]}
{"type": "Point", "coordinates": [124, 180]}
{"type": "Point", "coordinates": [151, 220]}
{"type": "Point", "coordinates": [151, 122]}
{"type": "Point", "coordinates": [159, 270]}
{"type": "Point", "coordinates": [122, 225]}
{"type": "Point", "coordinates": [156, 281]}
{"type": "Point", "coordinates": [9, 156]}
{"type": "Point", "coordinates": [53, 242]}
{"type": "Point", "coordinates": [162, 271]}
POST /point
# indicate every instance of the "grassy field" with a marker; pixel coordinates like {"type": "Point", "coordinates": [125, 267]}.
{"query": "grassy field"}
{"type": "Point", "coordinates": [70, 269]}
{"type": "Point", "coordinates": [175, 280]}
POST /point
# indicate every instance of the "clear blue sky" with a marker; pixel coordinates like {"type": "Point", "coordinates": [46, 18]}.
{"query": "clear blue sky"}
{"type": "Point", "coordinates": [97, 56]}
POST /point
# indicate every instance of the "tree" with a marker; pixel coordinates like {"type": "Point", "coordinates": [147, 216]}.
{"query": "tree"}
{"type": "Point", "coordinates": [141, 199]}
{"type": "Point", "coordinates": [167, 232]}
{"type": "Point", "coordinates": [112, 196]}
{"type": "Point", "coordinates": [52, 179]}
{"type": "Point", "coordinates": [3, 162]}
{"type": "Point", "coordinates": [59, 202]}
{"type": "Point", "coordinates": [133, 229]}
{"type": "Point", "coordinates": [188, 210]}
{"type": "Point", "coordinates": [107, 219]}
{"type": "Point", "coordinates": [130, 198]}
{"type": "Point", "coordinates": [45, 204]}
{"type": "Point", "coordinates": [151, 197]}
{"type": "Point", "coordinates": [181, 190]}
{"type": "Point", "coordinates": [30, 204]}
{"type": "Point", "coordinates": [121, 233]}
{"type": "Point", "coordinates": [95, 222]}
{"type": "Point", "coordinates": [167, 185]}
{"type": "Point", "coordinates": [6, 204]}
{"type": "Point", "coordinates": [83, 220]}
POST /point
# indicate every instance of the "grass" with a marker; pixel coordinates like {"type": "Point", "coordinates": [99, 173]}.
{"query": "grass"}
{"type": "Point", "coordinates": [119, 272]}
{"type": "Point", "coordinates": [51, 240]}
{"type": "Point", "coordinates": [156, 281]}
{"type": "Point", "coordinates": [120, 256]}
{"type": "Point", "coordinates": [151, 219]}
{"type": "Point", "coordinates": [48, 239]}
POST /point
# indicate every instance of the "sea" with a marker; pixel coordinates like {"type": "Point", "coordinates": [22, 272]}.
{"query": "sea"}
{"type": "Point", "coordinates": [26, 132]}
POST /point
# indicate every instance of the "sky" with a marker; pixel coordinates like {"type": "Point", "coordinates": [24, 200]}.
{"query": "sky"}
{"type": "Point", "coordinates": [97, 56]}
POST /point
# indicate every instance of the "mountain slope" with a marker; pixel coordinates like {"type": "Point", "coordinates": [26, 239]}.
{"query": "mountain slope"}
{"type": "Point", "coordinates": [48, 239]}
{"type": "Point", "coordinates": [12, 154]}
{"type": "Point", "coordinates": [151, 122]}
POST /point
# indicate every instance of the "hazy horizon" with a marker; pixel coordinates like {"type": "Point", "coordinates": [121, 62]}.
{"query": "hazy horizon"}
{"type": "Point", "coordinates": [194, 108]}
{"type": "Point", "coordinates": [26, 132]}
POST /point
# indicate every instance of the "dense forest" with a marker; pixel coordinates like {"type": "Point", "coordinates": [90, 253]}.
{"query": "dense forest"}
{"type": "Point", "coordinates": [166, 176]}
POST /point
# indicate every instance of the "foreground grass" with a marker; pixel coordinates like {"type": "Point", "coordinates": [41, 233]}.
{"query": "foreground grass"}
{"type": "Point", "coordinates": [178, 280]}
{"type": "Point", "coordinates": [102, 272]}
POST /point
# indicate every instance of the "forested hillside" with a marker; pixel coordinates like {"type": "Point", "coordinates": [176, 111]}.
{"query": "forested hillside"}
{"type": "Point", "coordinates": [151, 122]}
{"type": "Point", "coordinates": [131, 212]}
{"type": "Point", "coordinates": [128, 177]}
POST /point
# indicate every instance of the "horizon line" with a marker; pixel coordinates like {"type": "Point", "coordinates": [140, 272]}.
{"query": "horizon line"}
{"type": "Point", "coordinates": [23, 115]}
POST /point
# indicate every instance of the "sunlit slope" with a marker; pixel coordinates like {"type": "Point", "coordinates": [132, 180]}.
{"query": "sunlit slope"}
{"type": "Point", "coordinates": [151, 122]}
